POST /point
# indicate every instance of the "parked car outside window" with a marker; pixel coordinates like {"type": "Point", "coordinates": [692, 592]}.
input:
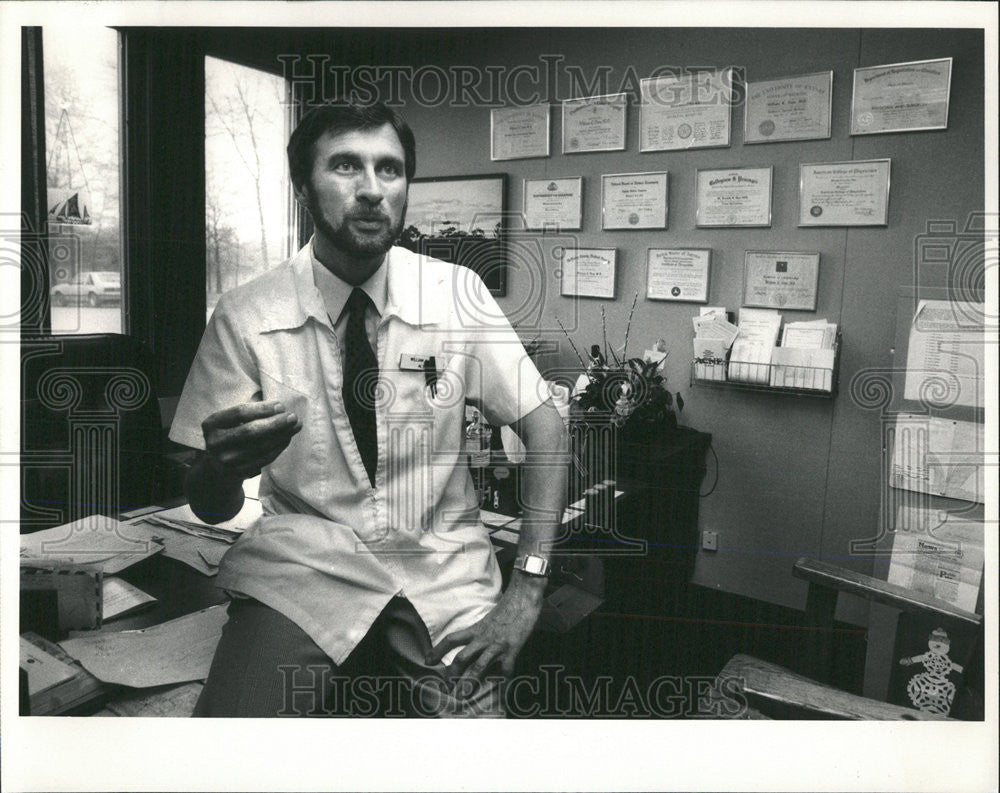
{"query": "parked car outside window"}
{"type": "Point", "coordinates": [94, 289]}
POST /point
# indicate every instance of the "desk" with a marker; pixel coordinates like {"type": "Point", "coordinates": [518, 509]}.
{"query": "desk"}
{"type": "Point", "coordinates": [181, 590]}
{"type": "Point", "coordinates": [661, 508]}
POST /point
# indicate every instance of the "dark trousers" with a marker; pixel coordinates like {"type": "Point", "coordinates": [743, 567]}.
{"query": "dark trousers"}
{"type": "Point", "coordinates": [265, 665]}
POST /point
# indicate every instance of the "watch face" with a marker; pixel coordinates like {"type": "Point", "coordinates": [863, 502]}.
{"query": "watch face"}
{"type": "Point", "coordinates": [532, 565]}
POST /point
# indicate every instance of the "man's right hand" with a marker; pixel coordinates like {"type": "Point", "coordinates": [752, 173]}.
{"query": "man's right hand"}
{"type": "Point", "coordinates": [241, 440]}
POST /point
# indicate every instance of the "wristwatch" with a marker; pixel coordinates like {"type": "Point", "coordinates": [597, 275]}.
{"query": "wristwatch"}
{"type": "Point", "coordinates": [532, 565]}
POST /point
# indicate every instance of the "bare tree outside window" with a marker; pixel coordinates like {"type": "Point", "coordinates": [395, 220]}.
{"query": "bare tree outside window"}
{"type": "Point", "coordinates": [246, 182]}
{"type": "Point", "coordinates": [83, 179]}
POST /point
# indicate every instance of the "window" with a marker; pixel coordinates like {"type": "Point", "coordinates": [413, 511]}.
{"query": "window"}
{"type": "Point", "coordinates": [83, 176]}
{"type": "Point", "coordinates": [248, 227]}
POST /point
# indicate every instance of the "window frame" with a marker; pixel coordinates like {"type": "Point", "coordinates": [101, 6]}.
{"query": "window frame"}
{"type": "Point", "coordinates": [36, 273]}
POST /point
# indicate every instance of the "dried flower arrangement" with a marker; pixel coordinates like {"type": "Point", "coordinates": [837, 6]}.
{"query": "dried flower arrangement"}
{"type": "Point", "coordinates": [631, 390]}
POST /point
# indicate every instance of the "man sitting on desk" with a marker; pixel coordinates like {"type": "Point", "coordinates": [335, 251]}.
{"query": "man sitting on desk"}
{"type": "Point", "coordinates": [342, 376]}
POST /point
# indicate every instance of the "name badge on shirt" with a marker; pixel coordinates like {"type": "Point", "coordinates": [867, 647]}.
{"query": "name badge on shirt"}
{"type": "Point", "coordinates": [413, 363]}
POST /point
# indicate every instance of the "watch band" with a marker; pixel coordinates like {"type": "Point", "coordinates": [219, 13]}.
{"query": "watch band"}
{"type": "Point", "coordinates": [530, 564]}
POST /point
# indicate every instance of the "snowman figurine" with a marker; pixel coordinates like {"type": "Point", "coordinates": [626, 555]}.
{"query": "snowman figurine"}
{"type": "Point", "coordinates": [931, 691]}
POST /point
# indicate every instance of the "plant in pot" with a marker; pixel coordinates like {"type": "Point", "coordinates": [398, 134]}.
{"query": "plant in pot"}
{"type": "Point", "coordinates": [630, 392]}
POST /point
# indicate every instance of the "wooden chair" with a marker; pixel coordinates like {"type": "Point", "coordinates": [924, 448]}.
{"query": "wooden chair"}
{"type": "Point", "coordinates": [770, 691]}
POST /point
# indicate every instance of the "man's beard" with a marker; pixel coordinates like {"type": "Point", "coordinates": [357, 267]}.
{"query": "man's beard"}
{"type": "Point", "coordinates": [344, 239]}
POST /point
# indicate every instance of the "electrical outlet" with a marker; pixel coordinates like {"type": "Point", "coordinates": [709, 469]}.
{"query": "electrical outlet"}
{"type": "Point", "coordinates": [710, 540]}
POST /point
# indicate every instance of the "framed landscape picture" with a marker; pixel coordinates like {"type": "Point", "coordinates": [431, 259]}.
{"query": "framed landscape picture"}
{"type": "Point", "coordinates": [460, 219]}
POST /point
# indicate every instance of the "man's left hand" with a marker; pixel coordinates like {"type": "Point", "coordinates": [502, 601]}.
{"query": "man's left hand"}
{"type": "Point", "coordinates": [499, 636]}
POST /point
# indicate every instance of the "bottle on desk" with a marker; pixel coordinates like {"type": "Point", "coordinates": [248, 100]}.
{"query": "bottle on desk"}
{"type": "Point", "coordinates": [477, 441]}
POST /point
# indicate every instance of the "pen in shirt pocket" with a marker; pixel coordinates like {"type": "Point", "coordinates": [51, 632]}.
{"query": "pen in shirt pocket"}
{"type": "Point", "coordinates": [431, 375]}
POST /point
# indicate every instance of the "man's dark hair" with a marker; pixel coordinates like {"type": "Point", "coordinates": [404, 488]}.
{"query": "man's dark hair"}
{"type": "Point", "coordinates": [338, 118]}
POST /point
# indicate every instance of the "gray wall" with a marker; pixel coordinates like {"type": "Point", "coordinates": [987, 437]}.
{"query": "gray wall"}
{"type": "Point", "coordinates": [796, 476]}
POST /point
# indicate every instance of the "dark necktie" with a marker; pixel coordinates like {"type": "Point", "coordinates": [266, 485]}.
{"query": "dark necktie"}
{"type": "Point", "coordinates": [361, 381]}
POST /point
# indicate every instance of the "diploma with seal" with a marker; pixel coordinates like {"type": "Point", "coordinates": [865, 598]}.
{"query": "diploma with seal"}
{"type": "Point", "coordinates": [792, 108]}
{"type": "Point", "coordinates": [594, 123]}
{"type": "Point", "coordinates": [853, 193]}
{"type": "Point", "coordinates": [634, 200]}
{"type": "Point", "coordinates": [901, 97]}
{"type": "Point", "coordinates": [588, 272]}
{"type": "Point", "coordinates": [679, 274]}
{"type": "Point", "coordinates": [518, 133]}
{"type": "Point", "coordinates": [689, 111]}
{"type": "Point", "coordinates": [553, 203]}
{"type": "Point", "coordinates": [781, 279]}
{"type": "Point", "coordinates": [734, 197]}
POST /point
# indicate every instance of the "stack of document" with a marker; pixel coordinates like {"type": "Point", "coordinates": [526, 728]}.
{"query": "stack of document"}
{"type": "Point", "coordinates": [817, 334]}
{"type": "Point", "coordinates": [189, 540]}
{"type": "Point", "coordinates": [57, 683]}
{"type": "Point", "coordinates": [713, 336]}
{"type": "Point", "coordinates": [97, 541]}
{"type": "Point", "coordinates": [806, 356]}
{"type": "Point", "coordinates": [750, 361]}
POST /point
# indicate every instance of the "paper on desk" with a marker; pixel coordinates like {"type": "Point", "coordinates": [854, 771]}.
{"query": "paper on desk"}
{"type": "Point", "coordinates": [506, 535]}
{"type": "Point", "coordinates": [494, 519]}
{"type": "Point", "coordinates": [938, 554]}
{"type": "Point", "coordinates": [213, 556]}
{"type": "Point", "coordinates": [43, 670]}
{"type": "Point", "coordinates": [119, 597]}
{"type": "Point", "coordinates": [172, 702]}
{"type": "Point", "coordinates": [578, 506]}
{"type": "Point", "coordinates": [566, 607]}
{"type": "Point", "coordinates": [938, 456]}
{"type": "Point", "coordinates": [174, 652]}
{"type": "Point", "coordinates": [183, 547]}
{"type": "Point", "coordinates": [241, 522]}
{"type": "Point", "coordinates": [946, 349]}
{"type": "Point", "coordinates": [96, 540]}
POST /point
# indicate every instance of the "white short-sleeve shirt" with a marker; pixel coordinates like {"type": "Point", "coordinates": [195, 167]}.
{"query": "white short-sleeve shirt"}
{"type": "Point", "coordinates": [331, 550]}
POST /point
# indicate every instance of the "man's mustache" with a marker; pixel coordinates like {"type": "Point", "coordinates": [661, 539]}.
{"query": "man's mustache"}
{"type": "Point", "coordinates": [368, 215]}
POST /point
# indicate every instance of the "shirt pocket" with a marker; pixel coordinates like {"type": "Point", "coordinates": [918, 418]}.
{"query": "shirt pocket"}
{"type": "Point", "coordinates": [305, 400]}
{"type": "Point", "coordinates": [296, 392]}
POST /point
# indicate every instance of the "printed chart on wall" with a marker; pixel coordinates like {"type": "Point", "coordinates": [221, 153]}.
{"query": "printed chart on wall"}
{"type": "Point", "coordinates": [944, 363]}
{"type": "Point", "coordinates": [941, 457]}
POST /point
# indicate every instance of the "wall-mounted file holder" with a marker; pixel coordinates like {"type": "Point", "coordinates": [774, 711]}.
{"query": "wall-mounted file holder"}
{"type": "Point", "coordinates": [791, 370]}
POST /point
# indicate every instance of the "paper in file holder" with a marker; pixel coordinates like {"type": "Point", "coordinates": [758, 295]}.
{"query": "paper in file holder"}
{"type": "Point", "coordinates": [808, 372]}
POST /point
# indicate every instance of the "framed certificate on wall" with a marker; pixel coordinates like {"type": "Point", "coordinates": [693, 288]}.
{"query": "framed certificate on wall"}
{"type": "Point", "coordinates": [588, 272]}
{"type": "Point", "coordinates": [594, 123]}
{"type": "Point", "coordinates": [781, 279]}
{"type": "Point", "coordinates": [688, 111]}
{"type": "Point", "coordinates": [901, 97]}
{"type": "Point", "coordinates": [554, 203]}
{"type": "Point", "coordinates": [853, 193]}
{"type": "Point", "coordinates": [634, 200]}
{"type": "Point", "coordinates": [734, 197]}
{"type": "Point", "coordinates": [679, 274]}
{"type": "Point", "coordinates": [792, 108]}
{"type": "Point", "coordinates": [519, 133]}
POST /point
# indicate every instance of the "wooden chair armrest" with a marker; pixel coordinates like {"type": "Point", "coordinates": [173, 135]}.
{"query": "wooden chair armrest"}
{"type": "Point", "coordinates": [779, 693]}
{"type": "Point", "coordinates": [875, 589]}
